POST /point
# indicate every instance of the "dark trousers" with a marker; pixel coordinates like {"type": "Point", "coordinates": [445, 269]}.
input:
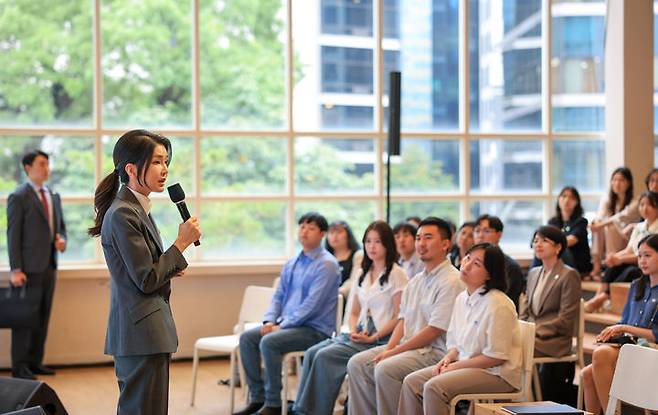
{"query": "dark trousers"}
{"type": "Point", "coordinates": [621, 273]}
{"type": "Point", "coordinates": [557, 382]}
{"type": "Point", "coordinates": [27, 345]}
{"type": "Point", "coordinates": [143, 384]}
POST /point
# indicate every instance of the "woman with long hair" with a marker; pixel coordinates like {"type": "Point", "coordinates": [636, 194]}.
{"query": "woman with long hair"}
{"type": "Point", "coordinates": [374, 314]}
{"type": "Point", "coordinates": [342, 244]}
{"type": "Point", "coordinates": [617, 210]}
{"type": "Point", "coordinates": [622, 266]}
{"type": "Point", "coordinates": [141, 334]}
{"type": "Point", "coordinates": [639, 318]}
{"type": "Point", "coordinates": [569, 218]}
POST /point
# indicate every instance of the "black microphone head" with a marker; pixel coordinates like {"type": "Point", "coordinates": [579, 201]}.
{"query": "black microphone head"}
{"type": "Point", "coordinates": [176, 193]}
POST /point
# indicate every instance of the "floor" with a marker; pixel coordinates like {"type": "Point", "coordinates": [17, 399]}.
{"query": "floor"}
{"type": "Point", "coordinates": [93, 390]}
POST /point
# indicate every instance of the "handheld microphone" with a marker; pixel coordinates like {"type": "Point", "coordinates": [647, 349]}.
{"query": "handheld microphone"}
{"type": "Point", "coordinates": [177, 195]}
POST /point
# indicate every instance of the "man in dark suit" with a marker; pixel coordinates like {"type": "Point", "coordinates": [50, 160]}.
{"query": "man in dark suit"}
{"type": "Point", "coordinates": [35, 232]}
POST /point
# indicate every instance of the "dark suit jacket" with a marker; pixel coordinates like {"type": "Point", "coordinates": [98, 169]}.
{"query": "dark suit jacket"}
{"type": "Point", "coordinates": [29, 240]}
{"type": "Point", "coordinates": [558, 309]}
{"type": "Point", "coordinates": [140, 321]}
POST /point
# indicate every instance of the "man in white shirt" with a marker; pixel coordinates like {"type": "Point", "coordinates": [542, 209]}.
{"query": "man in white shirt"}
{"type": "Point", "coordinates": [418, 340]}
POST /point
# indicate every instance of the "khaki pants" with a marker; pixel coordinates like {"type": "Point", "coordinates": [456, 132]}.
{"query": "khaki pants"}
{"type": "Point", "coordinates": [422, 393]}
{"type": "Point", "coordinates": [375, 389]}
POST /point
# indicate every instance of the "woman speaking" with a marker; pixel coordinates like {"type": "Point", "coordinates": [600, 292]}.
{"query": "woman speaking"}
{"type": "Point", "coordinates": [141, 334]}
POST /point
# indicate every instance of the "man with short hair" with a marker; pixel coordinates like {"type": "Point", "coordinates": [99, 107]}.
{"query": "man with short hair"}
{"type": "Point", "coordinates": [405, 244]}
{"type": "Point", "coordinates": [489, 228]}
{"type": "Point", "coordinates": [302, 313]}
{"type": "Point", "coordinates": [35, 233]}
{"type": "Point", "coordinates": [418, 339]}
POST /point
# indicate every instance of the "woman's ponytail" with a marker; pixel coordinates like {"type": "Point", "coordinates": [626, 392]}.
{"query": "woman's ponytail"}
{"type": "Point", "coordinates": [105, 194]}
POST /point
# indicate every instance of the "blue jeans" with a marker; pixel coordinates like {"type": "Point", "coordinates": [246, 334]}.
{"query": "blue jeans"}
{"type": "Point", "coordinates": [271, 347]}
{"type": "Point", "coordinates": [325, 367]}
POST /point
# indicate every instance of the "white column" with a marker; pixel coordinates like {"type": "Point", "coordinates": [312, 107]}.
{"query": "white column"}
{"type": "Point", "coordinates": [629, 87]}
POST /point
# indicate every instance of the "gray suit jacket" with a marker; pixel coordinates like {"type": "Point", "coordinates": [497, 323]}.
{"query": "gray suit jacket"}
{"type": "Point", "coordinates": [29, 240]}
{"type": "Point", "coordinates": [140, 321]}
{"type": "Point", "coordinates": [558, 309]}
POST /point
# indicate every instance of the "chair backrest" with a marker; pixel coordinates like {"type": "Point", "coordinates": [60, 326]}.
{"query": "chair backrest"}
{"type": "Point", "coordinates": [635, 378]}
{"type": "Point", "coordinates": [579, 332]}
{"type": "Point", "coordinates": [255, 302]}
{"type": "Point", "coordinates": [339, 313]}
{"type": "Point", "coordinates": [527, 331]}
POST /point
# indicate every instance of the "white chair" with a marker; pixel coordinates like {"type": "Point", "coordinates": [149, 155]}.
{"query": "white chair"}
{"type": "Point", "coordinates": [528, 350]}
{"type": "Point", "coordinates": [255, 303]}
{"type": "Point", "coordinates": [297, 358]}
{"type": "Point", "coordinates": [576, 356]}
{"type": "Point", "coordinates": [634, 381]}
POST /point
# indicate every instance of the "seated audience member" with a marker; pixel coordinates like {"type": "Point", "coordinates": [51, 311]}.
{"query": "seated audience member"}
{"type": "Point", "coordinates": [639, 318]}
{"type": "Point", "coordinates": [652, 180]}
{"type": "Point", "coordinates": [302, 313]}
{"type": "Point", "coordinates": [414, 220]}
{"type": "Point", "coordinates": [616, 211]}
{"type": "Point", "coordinates": [489, 228]}
{"type": "Point", "coordinates": [375, 308]}
{"type": "Point", "coordinates": [569, 218]}
{"type": "Point", "coordinates": [342, 244]}
{"type": "Point", "coordinates": [553, 304]}
{"type": "Point", "coordinates": [484, 342]}
{"type": "Point", "coordinates": [622, 265]}
{"type": "Point", "coordinates": [418, 341]}
{"type": "Point", "coordinates": [463, 244]}
{"type": "Point", "coordinates": [405, 243]}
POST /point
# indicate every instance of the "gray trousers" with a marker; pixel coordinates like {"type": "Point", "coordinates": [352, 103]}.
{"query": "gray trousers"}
{"type": "Point", "coordinates": [143, 384]}
{"type": "Point", "coordinates": [422, 393]}
{"type": "Point", "coordinates": [376, 388]}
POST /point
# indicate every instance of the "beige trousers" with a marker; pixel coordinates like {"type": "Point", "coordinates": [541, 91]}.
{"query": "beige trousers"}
{"type": "Point", "coordinates": [422, 393]}
{"type": "Point", "coordinates": [375, 389]}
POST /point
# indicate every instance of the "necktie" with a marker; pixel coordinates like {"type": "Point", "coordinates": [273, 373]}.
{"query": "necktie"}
{"type": "Point", "coordinates": [44, 202]}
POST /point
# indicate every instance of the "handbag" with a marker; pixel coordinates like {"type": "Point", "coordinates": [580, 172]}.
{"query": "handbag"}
{"type": "Point", "coordinates": [19, 306]}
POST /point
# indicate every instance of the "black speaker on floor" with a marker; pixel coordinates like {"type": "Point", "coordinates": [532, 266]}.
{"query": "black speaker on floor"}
{"type": "Point", "coordinates": [17, 394]}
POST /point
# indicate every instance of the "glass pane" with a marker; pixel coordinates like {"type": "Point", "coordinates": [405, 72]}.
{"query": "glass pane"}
{"type": "Point", "coordinates": [233, 230]}
{"type": "Point", "coordinates": [505, 58]}
{"type": "Point", "coordinates": [426, 166]}
{"type": "Point", "coordinates": [400, 210]}
{"type": "Point", "coordinates": [4, 254]}
{"type": "Point", "coordinates": [334, 165]}
{"type": "Point", "coordinates": [79, 246]}
{"type": "Point", "coordinates": [147, 63]}
{"type": "Point", "coordinates": [426, 51]}
{"type": "Point", "coordinates": [579, 164]}
{"type": "Point", "coordinates": [577, 65]}
{"type": "Point", "coordinates": [520, 219]}
{"type": "Point", "coordinates": [167, 218]}
{"type": "Point", "coordinates": [243, 165]}
{"type": "Point", "coordinates": [333, 65]}
{"type": "Point", "coordinates": [499, 166]}
{"type": "Point", "coordinates": [47, 67]}
{"type": "Point", "coordinates": [181, 168]}
{"type": "Point", "coordinates": [242, 64]}
{"type": "Point", "coordinates": [72, 163]}
{"type": "Point", "coordinates": [357, 214]}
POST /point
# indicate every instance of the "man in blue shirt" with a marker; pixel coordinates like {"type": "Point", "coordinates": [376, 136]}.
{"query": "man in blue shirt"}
{"type": "Point", "coordinates": [302, 313]}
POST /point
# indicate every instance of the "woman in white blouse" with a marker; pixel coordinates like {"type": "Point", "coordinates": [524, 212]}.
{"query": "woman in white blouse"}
{"type": "Point", "coordinates": [376, 304]}
{"type": "Point", "coordinates": [483, 341]}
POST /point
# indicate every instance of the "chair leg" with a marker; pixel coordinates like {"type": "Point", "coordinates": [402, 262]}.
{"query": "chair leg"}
{"type": "Point", "coordinates": [536, 384]}
{"type": "Point", "coordinates": [232, 382]}
{"type": "Point", "coordinates": [195, 364]}
{"type": "Point", "coordinates": [581, 392]}
{"type": "Point", "coordinates": [284, 391]}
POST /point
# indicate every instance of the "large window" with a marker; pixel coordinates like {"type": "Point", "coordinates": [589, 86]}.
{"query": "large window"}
{"type": "Point", "coordinates": [277, 107]}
